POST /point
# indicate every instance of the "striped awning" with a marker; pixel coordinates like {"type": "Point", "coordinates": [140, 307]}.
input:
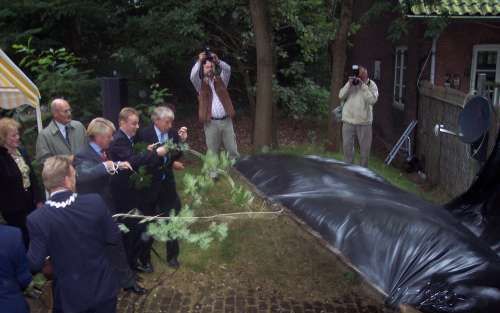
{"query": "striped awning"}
{"type": "Point", "coordinates": [16, 88]}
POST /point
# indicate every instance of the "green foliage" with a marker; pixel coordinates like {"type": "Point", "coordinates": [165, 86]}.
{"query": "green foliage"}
{"type": "Point", "coordinates": [140, 147]}
{"type": "Point", "coordinates": [302, 97]}
{"type": "Point", "coordinates": [241, 197]}
{"type": "Point", "coordinates": [158, 95]}
{"type": "Point", "coordinates": [154, 42]}
{"type": "Point", "coordinates": [435, 26]}
{"type": "Point", "coordinates": [56, 73]}
{"type": "Point", "coordinates": [196, 188]}
{"type": "Point", "coordinates": [179, 227]}
{"type": "Point", "coordinates": [140, 179]}
{"type": "Point", "coordinates": [399, 26]}
{"type": "Point", "coordinates": [398, 29]}
{"type": "Point", "coordinates": [311, 21]}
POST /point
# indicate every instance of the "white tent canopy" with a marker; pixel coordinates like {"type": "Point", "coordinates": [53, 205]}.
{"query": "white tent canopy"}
{"type": "Point", "coordinates": [16, 89]}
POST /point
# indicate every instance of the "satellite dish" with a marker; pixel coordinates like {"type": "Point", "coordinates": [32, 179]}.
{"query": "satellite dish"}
{"type": "Point", "coordinates": [475, 120]}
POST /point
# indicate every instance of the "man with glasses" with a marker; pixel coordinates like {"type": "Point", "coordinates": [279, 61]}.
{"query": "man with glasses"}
{"type": "Point", "coordinates": [62, 136]}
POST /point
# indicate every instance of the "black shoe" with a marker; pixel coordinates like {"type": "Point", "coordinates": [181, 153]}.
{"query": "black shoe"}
{"type": "Point", "coordinates": [174, 263]}
{"type": "Point", "coordinates": [148, 268]}
{"type": "Point", "coordinates": [136, 289]}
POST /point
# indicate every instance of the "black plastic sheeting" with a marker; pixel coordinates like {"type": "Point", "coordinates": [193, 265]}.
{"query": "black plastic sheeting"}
{"type": "Point", "coordinates": [479, 207]}
{"type": "Point", "coordinates": [416, 252]}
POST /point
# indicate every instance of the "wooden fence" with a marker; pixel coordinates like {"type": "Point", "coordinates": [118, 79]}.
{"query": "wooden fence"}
{"type": "Point", "coordinates": [446, 159]}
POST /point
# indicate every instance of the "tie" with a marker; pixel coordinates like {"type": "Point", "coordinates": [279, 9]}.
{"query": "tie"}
{"type": "Point", "coordinates": [104, 156]}
{"type": "Point", "coordinates": [165, 158]}
{"type": "Point", "coordinates": [66, 128]}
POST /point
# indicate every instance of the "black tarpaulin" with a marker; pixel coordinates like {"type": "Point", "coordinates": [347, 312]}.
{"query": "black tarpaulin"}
{"type": "Point", "coordinates": [416, 252]}
{"type": "Point", "coordinates": [479, 207]}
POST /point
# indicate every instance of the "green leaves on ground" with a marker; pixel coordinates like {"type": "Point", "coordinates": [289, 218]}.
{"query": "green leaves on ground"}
{"type": "Point", "coordinates": [215, 170]}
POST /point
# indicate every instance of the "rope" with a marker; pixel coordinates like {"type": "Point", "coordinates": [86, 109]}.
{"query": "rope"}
{"type": "Point", "coordinates": [211, 217]}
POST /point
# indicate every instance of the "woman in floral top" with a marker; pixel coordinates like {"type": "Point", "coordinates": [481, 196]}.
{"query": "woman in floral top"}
{"type": "Point", "coordinates": [20, 193]}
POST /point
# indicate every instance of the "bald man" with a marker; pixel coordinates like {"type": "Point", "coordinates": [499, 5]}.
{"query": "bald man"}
{"type": "Point", "coordinates": [62, 136]}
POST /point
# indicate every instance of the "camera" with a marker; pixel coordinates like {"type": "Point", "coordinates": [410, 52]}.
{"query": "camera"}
{"type": "Point", "coordinates": [355, 75]}
{"type": "Point", "coordinates": [208, 53]}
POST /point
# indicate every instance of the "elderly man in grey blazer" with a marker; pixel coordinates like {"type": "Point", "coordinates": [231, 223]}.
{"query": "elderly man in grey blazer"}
{"type": "Point", "coordinates": [62, 136]}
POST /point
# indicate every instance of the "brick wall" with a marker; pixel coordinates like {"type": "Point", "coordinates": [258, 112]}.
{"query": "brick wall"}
{"type": "Point", "coordinates": [371, 44]}
{"type": "Point", "coordinates": [454, 48]}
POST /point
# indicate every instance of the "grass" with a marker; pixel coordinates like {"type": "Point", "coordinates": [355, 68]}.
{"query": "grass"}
{"type": "Point", "coordinates": [270, 254]}
{"type": "Point", "coordinates": [393, 175]}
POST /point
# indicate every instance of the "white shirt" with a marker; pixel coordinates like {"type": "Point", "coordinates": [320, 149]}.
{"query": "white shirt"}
{"type": "Point", "coordinates": [217, 107]}
{"type": "Point", "coordinates": [62, 128]}
{"type": "Point", "coordinates": [58, 191]}
{"type": "Point", "coordinates": [159, 135]}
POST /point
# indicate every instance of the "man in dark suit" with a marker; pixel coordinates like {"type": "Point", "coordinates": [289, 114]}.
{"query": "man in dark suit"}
{"type": "Point", "coordinates": [125, 196]}
{"type": "Point", "coordinates": [14, 272]}
{"type": "Point", "coordinates": [162, 197]}
{"type": "Point", "coordinates": [93, 174]}
{"type": "Point", "coordinates": [75, 231]}
{"type": "Point", "coordinates": [93, 168]}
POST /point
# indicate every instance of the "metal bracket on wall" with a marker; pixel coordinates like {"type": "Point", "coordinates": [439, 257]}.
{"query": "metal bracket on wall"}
{"type": "Point", "coordinates": [403, 144]}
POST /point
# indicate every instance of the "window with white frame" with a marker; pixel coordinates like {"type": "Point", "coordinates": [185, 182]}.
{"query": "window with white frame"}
{"type": "Point", "coordinates": [486, 60]}
{"type": "Point", "coordinates": [399, 95]}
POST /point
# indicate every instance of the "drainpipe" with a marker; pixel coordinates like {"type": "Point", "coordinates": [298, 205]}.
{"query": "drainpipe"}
{"type": "Point", "coordinates": [433, 61]}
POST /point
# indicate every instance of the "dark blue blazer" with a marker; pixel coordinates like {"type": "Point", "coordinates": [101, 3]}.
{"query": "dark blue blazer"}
{"type": "Point", "coordinates": [14, 272]}
{"type": "Point", "coordinates": [91, 175]}
{"type": "Point", "coordinates": [163, 179]}
{"type": "Point", "coordinates": [76, 238]}
{"type": "Point", "coordinates": [122, 149]}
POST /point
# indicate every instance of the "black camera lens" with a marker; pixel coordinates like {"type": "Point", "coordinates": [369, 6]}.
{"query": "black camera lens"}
{"type": "Point", "coordinates": [208, 53]}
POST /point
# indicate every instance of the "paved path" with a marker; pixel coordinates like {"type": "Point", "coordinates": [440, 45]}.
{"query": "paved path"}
{"type": "Point", "coordinates": [217, 300]}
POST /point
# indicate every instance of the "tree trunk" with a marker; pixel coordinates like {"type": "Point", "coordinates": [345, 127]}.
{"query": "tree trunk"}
{"type": "Point", "coordinates": [264, 106]}
{"type": "Point", "coordinates": [338, 52]}
{"type": "Point", "coordinates": [250, 96]}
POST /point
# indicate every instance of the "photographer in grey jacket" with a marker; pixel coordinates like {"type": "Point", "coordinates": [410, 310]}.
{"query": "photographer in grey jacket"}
{"type": "Point", "coordinates": [359, 95]}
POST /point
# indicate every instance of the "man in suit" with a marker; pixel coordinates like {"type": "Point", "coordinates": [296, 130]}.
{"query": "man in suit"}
{"type": "Point", "coordinates": [162, 197]}
{"type": "Point", "coordinates": [63, 136]}
{"type": "Point", "coordinates": [14, 272]}
{"type": "Point", "coordinates": [75, 231]}
{"type": "Point", "coordinates": [93, 174]}
{"type": "Point", "coordinates": [125, 196]}
{"type": "Point", "coordinates": [93, 167]}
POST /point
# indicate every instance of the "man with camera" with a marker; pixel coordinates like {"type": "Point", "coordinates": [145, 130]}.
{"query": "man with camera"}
{"type": "Point", "coordinates": [358, 95]}
{"type": "Point", "coordinates": [210, 77]}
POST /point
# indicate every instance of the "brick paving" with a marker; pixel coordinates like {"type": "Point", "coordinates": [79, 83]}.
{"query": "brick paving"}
{"type": "Point", "coordinates": [228, 300]}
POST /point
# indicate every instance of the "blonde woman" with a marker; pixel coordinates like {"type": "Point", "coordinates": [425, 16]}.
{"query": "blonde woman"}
{"type": "Point", "coordinates": [20, 192]}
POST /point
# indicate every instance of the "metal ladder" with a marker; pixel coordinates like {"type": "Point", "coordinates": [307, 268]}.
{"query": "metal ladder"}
{"type": "Point", "coordinates": [404, 139]}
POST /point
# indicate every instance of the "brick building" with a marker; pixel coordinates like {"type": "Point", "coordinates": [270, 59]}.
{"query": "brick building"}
{"type": "Point", "coordinates": [427, 78]}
